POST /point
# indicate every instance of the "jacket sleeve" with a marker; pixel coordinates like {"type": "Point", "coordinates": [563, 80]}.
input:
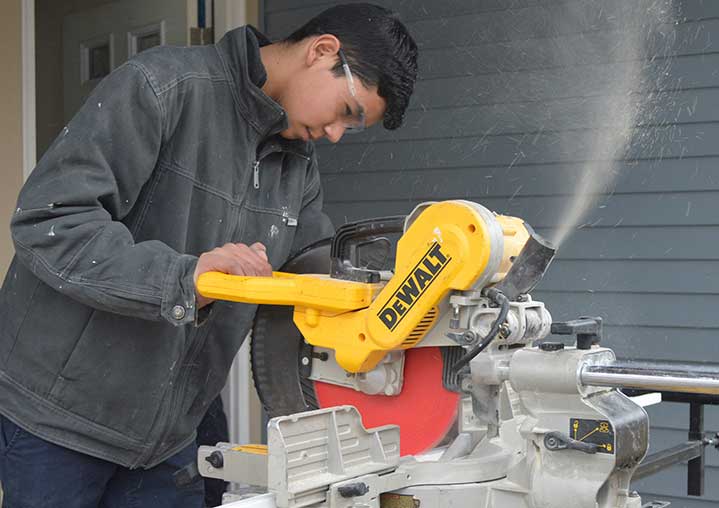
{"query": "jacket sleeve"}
{"type": "Point", "coordinates": [312, 224]}
{"type": "Point", "coordinates": [67, 227]}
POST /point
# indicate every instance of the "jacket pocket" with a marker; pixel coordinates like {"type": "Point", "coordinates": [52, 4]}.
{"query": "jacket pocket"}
{"type": "Point", "coordinates": [47, 337]}
{"type": "Point", "coordinates": [275, 229]}
{"type": "Point", "coordinates": [120, 371]}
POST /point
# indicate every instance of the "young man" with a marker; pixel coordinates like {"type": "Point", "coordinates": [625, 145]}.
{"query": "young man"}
{"type": "Point", "coordinates": [183, 161]}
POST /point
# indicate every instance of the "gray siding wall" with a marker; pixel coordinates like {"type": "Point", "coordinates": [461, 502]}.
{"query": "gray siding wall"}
{"type": "Point", "coordinates": [500, 117]}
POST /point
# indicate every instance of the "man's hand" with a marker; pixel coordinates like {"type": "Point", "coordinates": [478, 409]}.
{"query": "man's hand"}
{"type": "Point", "coordinates": [234, 259]}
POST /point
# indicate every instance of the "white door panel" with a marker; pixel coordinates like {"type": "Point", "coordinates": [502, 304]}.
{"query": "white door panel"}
{"type": "Point", "coordinates": [98, 40]}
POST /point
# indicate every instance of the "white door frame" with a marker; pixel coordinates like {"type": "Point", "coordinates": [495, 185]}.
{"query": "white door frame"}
{"type": "Point", "coordinates": [230, 14]}
{"type": "Point", "coordinates": [29, 149]}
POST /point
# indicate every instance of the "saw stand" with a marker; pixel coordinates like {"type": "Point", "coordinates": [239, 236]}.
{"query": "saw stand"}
{"type": "Point", "coordinates": [540, 426]}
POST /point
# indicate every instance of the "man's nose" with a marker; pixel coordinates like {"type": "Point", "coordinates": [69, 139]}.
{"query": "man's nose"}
{"type": "Point", "coordinates": [334, 132]}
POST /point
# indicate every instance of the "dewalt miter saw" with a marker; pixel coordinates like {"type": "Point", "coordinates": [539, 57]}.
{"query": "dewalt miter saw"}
{"type": "Point", "coordinates": [435, 356]}
{"type": "Point", "coordinates": [375, 336]}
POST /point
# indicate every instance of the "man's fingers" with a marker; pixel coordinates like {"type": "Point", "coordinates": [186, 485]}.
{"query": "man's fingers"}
{"type": "Point", "coordinates": [260, 250]}
{"type": "Point", "coordinates": [228, 264]}
{"type": "Point", "coordinates": [252, 260]}
{"type": "Point", "coordinates": [236, 259]}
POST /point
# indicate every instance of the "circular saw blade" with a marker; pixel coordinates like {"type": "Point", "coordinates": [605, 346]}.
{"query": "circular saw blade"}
{"type": "Point", "coordinates": [424, 410]}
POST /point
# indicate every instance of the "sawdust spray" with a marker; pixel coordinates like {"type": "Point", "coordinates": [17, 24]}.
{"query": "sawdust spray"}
{"type": "Point", "coordinates": [640, 57]}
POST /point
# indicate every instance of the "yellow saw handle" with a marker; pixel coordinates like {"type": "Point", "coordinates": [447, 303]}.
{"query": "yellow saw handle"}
{"type": "Point", "coordinates": [308, 291]}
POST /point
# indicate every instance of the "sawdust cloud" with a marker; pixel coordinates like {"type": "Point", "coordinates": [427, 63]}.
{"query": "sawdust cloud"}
{"type": "Point", "coordinates": [641, 52]}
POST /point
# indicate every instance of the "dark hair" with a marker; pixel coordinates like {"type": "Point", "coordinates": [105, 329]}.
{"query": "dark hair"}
{"type": "Point", "coordinates": [379, 50]}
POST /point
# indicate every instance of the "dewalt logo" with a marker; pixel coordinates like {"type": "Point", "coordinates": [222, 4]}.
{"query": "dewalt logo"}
{"type": "Point", "coordinates": [424, 273]}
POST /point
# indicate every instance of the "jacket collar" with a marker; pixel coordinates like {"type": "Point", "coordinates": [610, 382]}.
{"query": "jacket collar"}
{"type": "Point", "coordinates": [239, 50]}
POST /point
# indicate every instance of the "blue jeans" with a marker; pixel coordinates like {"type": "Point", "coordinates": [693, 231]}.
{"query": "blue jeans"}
{"type": "Point", "coordinates": [34, 472]}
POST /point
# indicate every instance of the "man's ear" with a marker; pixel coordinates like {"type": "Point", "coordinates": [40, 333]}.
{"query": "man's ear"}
{"type": "Point", "coordinates": [323, 50]}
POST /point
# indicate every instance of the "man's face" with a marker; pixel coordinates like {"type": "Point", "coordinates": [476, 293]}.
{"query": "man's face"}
{"type": "Point", "coordinates": [320, 103]}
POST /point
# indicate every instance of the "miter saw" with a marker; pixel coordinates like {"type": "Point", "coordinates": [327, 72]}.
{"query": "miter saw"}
{"type": "Point", "coordinates": [436, 358]}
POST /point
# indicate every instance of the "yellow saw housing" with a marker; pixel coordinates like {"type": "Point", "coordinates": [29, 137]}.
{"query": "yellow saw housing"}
{"type": "Point", "coordinates": [450, 245]}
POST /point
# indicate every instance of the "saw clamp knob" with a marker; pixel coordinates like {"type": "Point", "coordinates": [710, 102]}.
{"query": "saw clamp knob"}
{"type": "Point", "coordinates": [216, 459]}
{"type": "Point", "coordinates": [587, 329]}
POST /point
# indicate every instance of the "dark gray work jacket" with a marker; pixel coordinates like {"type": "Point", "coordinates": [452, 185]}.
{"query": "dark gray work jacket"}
{"type": "Point", "coordinates": [100, 348]}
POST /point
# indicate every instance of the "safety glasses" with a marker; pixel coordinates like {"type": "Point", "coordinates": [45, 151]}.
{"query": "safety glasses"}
{"type": "Point", "coordinates": [353, 118]}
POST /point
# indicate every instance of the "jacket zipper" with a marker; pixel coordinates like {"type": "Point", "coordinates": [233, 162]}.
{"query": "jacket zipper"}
{"type": "Point", "coordinates": [256, 173]}
{"type": "Point", "coordinates": [258, 160]}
